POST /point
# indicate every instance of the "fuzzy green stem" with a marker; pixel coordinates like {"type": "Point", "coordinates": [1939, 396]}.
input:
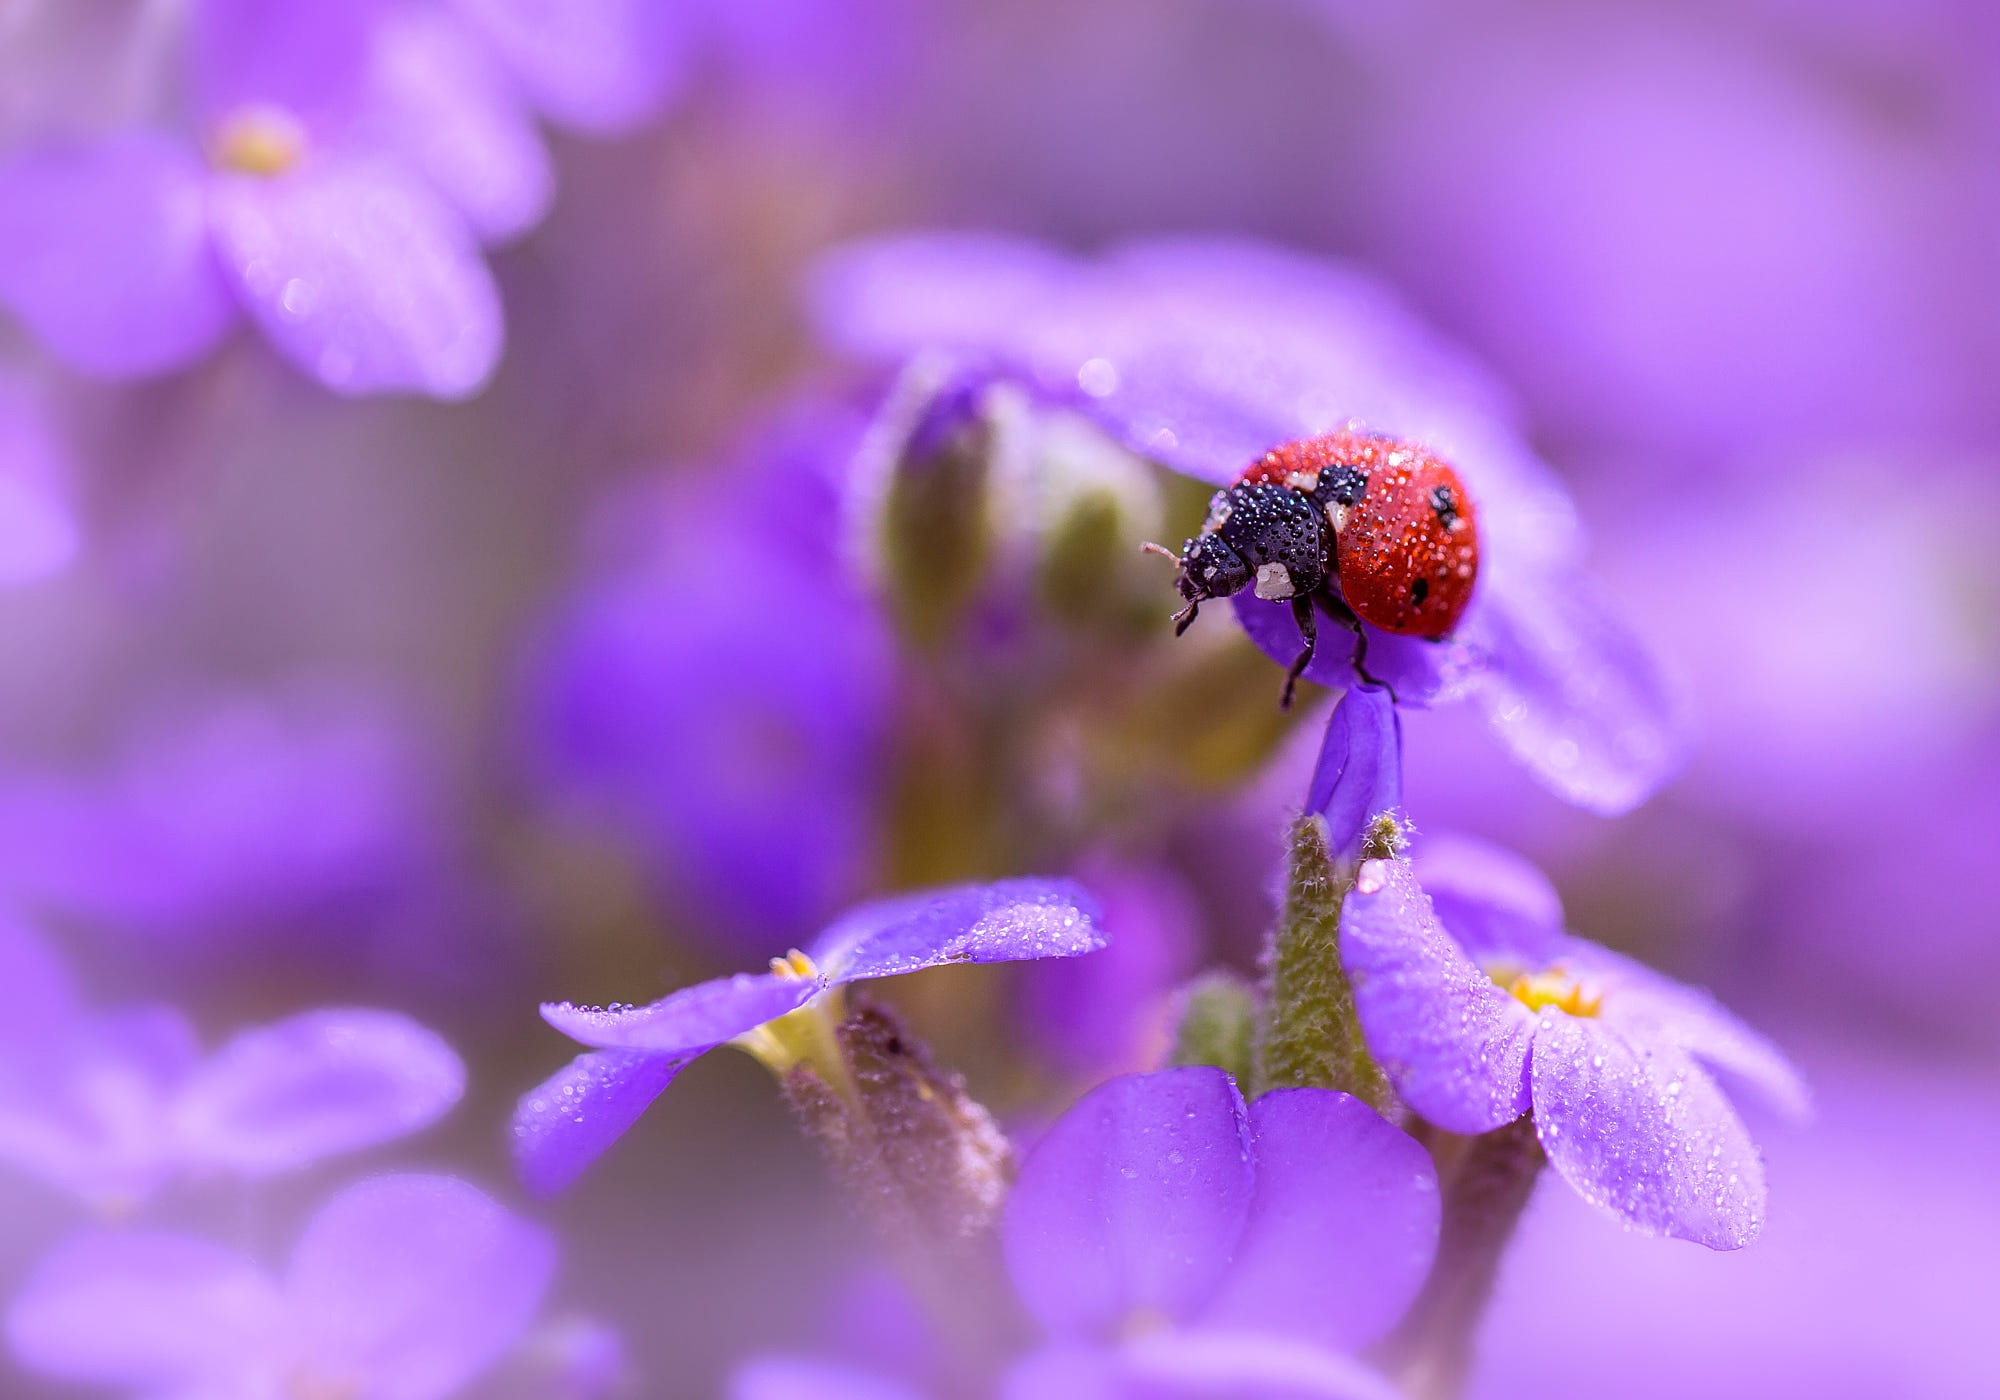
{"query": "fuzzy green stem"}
{"type": "Point", "coordinates": [1313, 1037]}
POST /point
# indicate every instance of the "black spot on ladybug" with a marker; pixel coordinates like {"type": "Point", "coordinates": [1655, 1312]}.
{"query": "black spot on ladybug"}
{"type": "Point", "coordinates": [1420, 589]}
{"type": "Point", "coordinates": [1444, 505]}
{"type": "Point", "coordinates": [1345, 486]}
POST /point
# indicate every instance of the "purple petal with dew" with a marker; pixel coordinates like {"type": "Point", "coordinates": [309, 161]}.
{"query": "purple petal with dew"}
{"type": "Point", "coordinates": [1420, 673]}
{"type": "Point", "coordinates": [105, 254]}
{"type": "Point", "coordinates": [362, 276]}
{"type": "Point", "coordinates": [568, 1121]}
{"type": "Point", "coordinates": [441, 101]}
{"type": "Point", "coordinates": [1649, 1008]}
{"type": "Point", "coordinates": [283, 1096]}
{"type": "Point", "coordinates": [1204, 353]}
{"type": "Point", "coordinates": [1454, 1044]}
{"type": "Point", "coordinates": [1342, 1228]}
{"type": "Point", "coordinates": [409, 1286]}
{"type": "Point", "coordinates": [688, 1022]}
{"type": "Point", "coordinates": [1572, 693]}
{"type": "Point", "coordinates": [38, 529]}
{"type": "Point", "coordinates": [1646, 1134]}
{"type": "Point", "coordinates": [1005, 921]}
{"type": "Point", "coordinates": [800, 1378]}
{"type": "Point", "coordinates": [1132, 1203]}
{"type": "Point", "coordinates": [92, 1112]}
{"type": "Point", "coordinates": [1360, 768]}
{"type": "Point", "coordinates": [600, 66]}
{"type": "Point", "coordinates": [1208, 1364]}
{"type": "Point", "coordinates": [143, 1308]}
{"type": "Point", "coordinates": [308, 57]}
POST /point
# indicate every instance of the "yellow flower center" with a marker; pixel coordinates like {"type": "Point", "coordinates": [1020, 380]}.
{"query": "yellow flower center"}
{"type": "Point", "coordinates": [1553, 986]}
{"type": "Point", "coordinates": [794, 964]}
{"type": "Point", "coordinates": [259, 140]}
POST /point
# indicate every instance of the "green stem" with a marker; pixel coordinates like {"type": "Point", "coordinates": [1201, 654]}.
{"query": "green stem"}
{"type": "Point", "coordinates": [1313, 1037]}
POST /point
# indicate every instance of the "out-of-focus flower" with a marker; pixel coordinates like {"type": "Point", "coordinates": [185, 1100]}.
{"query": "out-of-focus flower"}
{"type": "Point", "coordinates": [1172, 1242]}
{"type": "Point", "coordinates": [108, 1103]}
{"type": "Point", "coordinates": [1205, 354]}
{"type": "Point", "coordinates": [565, 1123]}
{"type": "Point", "coordinates": [1481, 1008]}
{"type": "Point", "coordinates": [1105, 1014]}
{"type": "Point", "coordinates": [406, 1286]}
{"type": "Point", "coordinates": [341, 157]}
{"type": "Point", "coordinates": [238, 814]}
{"type": "Point", "coordinates": [719, 690]}
{"type": "Point", "coordinates": [38, 531]}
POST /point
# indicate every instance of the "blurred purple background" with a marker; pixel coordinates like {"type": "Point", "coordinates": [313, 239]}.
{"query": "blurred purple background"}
{"type": "Point", "coordinates": [558, 691]}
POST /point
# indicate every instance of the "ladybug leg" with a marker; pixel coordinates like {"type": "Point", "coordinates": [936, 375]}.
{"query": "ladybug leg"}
{"type": "Point", "coordinates": [1184, 619]}
{"type": "Point", "coordinates": [1302, 613]}
{"type": "Point", "coordinates": [1337, 609]}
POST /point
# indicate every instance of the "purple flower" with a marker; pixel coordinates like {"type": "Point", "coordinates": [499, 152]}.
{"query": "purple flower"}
{"type": "Point", "coordinates": [565, 1123]}
{"type": "Point", "coordinates": [238, 815]}
{"type": "Point", "coordinates": [1106, 1014]}
{"type": "Point", "coordinates": [1203, 355]}
{"type": "Point", "coordinates": [344, 160]}
{"type": "Point", "coordinates": [38, 530]}
{"type": "Point", "coordinates": [108, 1103]}
{"type": "Point", "coordinates": [407, 1286]}
{"type": "Point", "coordinates": [675, 703]}
{"type": "Point", "coordinates": [1172, 1242]}
{"type": "Point", "coordinates": [1481, 1008]}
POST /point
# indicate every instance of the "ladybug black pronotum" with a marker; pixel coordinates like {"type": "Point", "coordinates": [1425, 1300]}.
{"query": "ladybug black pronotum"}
{"type": "Point", "coordinates": [1353, 523]}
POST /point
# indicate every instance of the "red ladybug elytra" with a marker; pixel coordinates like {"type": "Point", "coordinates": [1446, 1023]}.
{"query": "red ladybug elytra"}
{"type": "Point", "coordinates": [1353, 523]}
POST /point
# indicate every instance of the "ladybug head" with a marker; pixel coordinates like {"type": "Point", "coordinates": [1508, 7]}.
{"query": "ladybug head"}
{"type": "Point", "coordinates": [1210, 569]}
{"type": "Point", "coordinates": [1207, 568]}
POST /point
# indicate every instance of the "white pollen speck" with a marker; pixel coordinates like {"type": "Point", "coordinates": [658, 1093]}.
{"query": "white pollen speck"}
{"type": "Point", "coordinates": [1273, 582]}
{"type": "Point", "coordinates": [1097, 378]}
{"type": "Point", "coordinates": [1337, 515]}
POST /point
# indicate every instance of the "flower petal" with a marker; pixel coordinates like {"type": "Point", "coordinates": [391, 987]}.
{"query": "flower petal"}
{"type": "Point", "coordinates": [411, 1285]}
{"type": "Point", "coordinates": [1005, 921]}
{"type": "Point", "coordinates": [282, 1096]}
{"type": "Point", "coordinates": [308, 57]}
{"type": "Point", "coordinates": [1131, 1203]}
{"type": "Point", "coordinates": [1647, 1007]}
{"type": "Point", "coordinates": [798, 1378]}
{"type": "Point", "coordinates": [600, 66]}
{"type": "Point", "coordinates": [1207, 353]}
{"type": "Point", "coordinates": [1454, 1045]}
{"type": "Point", "coordinates": [1342, 1228]}
{"type": "Point", "coordinates": [1572, 693]}
{"type": "Point", "coordinates": [688, 1022]}
{"type": "Point", "coordinates": [1207, 1364]}
{"type": "Point", "coordinates": [1645, 1134]}
{"type": "Point", "coordinates": [91, 1113]}
{"type": "Point", "coordinates": [105, 254]}
{"type": "Point", "coordinates": [1360, 767]}
{"type": "Point", "coordinates": [442, 102]}
{"type": "Point", "coordinates": [363, 277]}
{"type": "Point", "coordinates": [142, 1308]}
{"type": "Point", "coordinates": [567, 1122]}
{"type": "Point", "coordinates": [1495, 904]}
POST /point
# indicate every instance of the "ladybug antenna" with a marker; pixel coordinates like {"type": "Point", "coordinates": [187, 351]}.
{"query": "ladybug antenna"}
{"type": "Point", "coordinates": [1150, 548]}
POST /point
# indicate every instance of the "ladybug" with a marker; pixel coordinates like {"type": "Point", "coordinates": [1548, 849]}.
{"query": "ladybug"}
{"type": "Point", "coordinates": [1365, 527]}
